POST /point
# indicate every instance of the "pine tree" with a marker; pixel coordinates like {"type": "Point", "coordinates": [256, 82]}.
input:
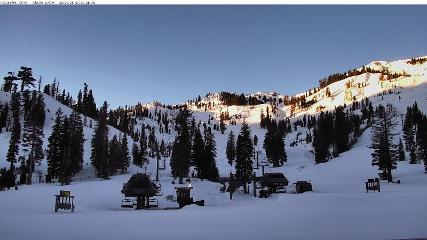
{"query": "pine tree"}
{"type": "Point", "coordinates": [322, 137]}
{"type": "Point", "coordinates": [274, 145]}
{"type": "Point", "coordinates": [4, 116]}
{"type": "Point", "coordinates": [408, 130]}
{"type": "Point", "coordinates": [79, 104]}
{"type": "Point", "coordinates": [422, 140]}
{"type": "Point", "coordinates": [212, 172]}
{"type": "Point", "coordinates": [9, 82]}
{"type": "Point", "coordinates": [91, 106]}
{"type": "Point", "coordinates": [413, 156]}
{"type": "Point", "coordinates": [135, 155]}
{"type": "Point", "coordinates": [280, 149]}
{"type": "Point", "coordinates": [33, 133]}
{"type": "Point", "coordinates": [152, 142]}
{"type": "Point", "coordinates": [244, 154]}
{"type": "Point", "coordinates": [99, 155]}
{"type": "Point", "coordinates": [385, 153]}
{"type": "Point", "coordinates": [16, 131]}
{"type": "Point", "coordinates": [222, 126]}
{"type": "Point", "coordinates": [77, 142]}
{"type": "Point", "coordinates": [181, 151]}
{"type": "Point", "coordinates": [26, 76]}
{"type": "Point", "coordinates": [341, 130]}
{"type": "Point", "coordinates": [143, 153]}
{"type": "Point", "coordinates": [65, 166]}
{"type": "Point", "coordinates": [54, 158]}
{"type": "Point", "coordinates": [85, 104]}
{"type": "Point", "coordinates": [197, 153]}
{"type": "Point", "coordinates": [114, 154]}
{"type": "Point", "coordinates": [231, 148]}
{"type": "Point", "coordinates": [124, 154]}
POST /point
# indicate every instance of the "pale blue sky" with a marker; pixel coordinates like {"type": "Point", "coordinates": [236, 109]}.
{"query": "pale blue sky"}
{"type": "Point", "coordinates": [172, 53]}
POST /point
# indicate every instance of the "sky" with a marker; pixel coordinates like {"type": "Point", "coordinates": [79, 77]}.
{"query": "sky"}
{"type": "Point", "coordinates": [136, 53]}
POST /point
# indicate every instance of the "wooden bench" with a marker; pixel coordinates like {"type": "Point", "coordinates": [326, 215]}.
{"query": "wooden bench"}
{"type": "Point", "coordinates": [64, 201]}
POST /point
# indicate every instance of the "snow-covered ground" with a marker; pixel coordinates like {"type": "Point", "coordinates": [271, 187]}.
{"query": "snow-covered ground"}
{"type": "Point", "coordinates": [338, 208]}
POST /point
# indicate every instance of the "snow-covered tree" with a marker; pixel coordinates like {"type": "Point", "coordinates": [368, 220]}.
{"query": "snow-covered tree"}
{"type": "Point", "coordinates": [385, 152]}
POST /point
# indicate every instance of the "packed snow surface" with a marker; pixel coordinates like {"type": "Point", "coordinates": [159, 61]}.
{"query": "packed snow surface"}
{"type": "Point", "coordinates": [339, 207]}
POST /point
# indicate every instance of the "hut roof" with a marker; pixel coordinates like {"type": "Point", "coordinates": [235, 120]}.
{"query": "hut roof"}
{"type": "Point", "coordinates": [140, 185]}
{"type": "Point", "coordinates": [274, 179]}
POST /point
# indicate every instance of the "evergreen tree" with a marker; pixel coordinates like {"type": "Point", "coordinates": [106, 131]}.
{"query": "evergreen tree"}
{"type": "Point", "coordinates": [33, 133]}
{"type": "Point", "coordinates": [231, 148]}
{"type": "Point", "coordinates": [26, 76]}
{"type": "Point", "coordinates": [54, 158]}
{"type": "Point", "coordinates": [197, 153]}
{"type": "Point", "coordinates": [341, 130]}
{"type": "Point", "coordinates": [274, 145]}
{"type": "Point", "coordinates": [4, 116]}
{"type": "Point", "coordinates": [413, 156]}
{"type": "Point", "coordinates": [408, 130]}
{"type": "Point", "coordinates": [222, 126]}
{"type": "Point", "coordinates": [135, 155]}
{"type": "Point", "coordinates": [322, 137]}
{"type": "Point", "coordinates": [142, 147]}
{"type": "Point", "coordinates": [15, 137]}
{"type": "Point", "coordinates": [124, 154]}
{"type": "Point", "coordinates": [181, 151]}
{"type": "Point", "coordinates": [422, 140]}
{"type": "Point", "coordinates": [91, 106]}
{"type": "Point", "coordinates": [77, 142]}
{"type": "Point", "coordinates": [385, 153]}
{"type": "Point", "coordinates": [9, 82]}
{"type": "Point", "coordinates": [244, 154]}
{"type": "Point", "coordinates": [65, 166]}
{"type": "Point", "coordinates": [212, 172]}
{"type": "Point", "coordinates": [79, 104]}
{"type": "Point", "coordinates": [114, 154]}
{"type": "Point", "coordinates": [99, 155]}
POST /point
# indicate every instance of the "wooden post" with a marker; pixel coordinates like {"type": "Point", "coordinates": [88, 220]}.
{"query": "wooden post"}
{"type": "Point", "coordinates": [257, 163]}
{"type": "Point", "coordinates": [262, 170]}
{"type": "Point", "coordinates": [157, 170]}
{"type": "Point", "coordinates": [254, 182]}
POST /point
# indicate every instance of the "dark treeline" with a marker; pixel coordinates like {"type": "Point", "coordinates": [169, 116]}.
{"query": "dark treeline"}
{"type": "Point", "coordinates": [414, 61]}
{"type": "Point", "coordinates": [334, 132]}
{"type": "Point", "coordinates": [354, 72]}
{"type": "Point", "coordinates": [415, 135]}
{"type": "Point", "coordinates": [108, 157]}
{"type": "Point", "coordinates": [274, 144]}
{"type": "Point", "coordinates": [65, 148]}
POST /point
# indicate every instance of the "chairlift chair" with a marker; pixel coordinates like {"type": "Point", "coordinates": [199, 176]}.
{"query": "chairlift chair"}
{"type": "Point", "coordinates": [127, 203]}
{"type": "Point", "coordinates": [153, 202]}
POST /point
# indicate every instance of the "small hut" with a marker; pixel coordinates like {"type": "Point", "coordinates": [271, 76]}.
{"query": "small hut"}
{"type": "Point", "coordinates": [183, 197]}
{"type": "Point", "coordinates": [273, 181]}
{"type": "Point", "coordinates": [142, 188]}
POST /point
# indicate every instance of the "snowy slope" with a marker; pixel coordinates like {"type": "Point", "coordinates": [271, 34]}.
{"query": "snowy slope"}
{"type": "Point", "coordinates": [52, 106]}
